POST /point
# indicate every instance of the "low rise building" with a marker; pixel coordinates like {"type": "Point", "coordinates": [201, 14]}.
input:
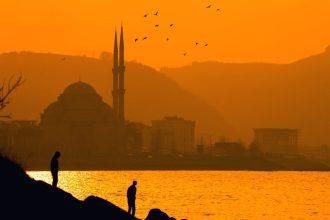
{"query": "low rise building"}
{"type": "Point", "coordinates": [319, 153]}
{"type": "Point", "coordinates": [173, 135]}
{"type": "Point", "coordinates": [232, 149]}
{"type": "Point", "coordinates": [138, 137]}
{"type": "Point", "coordinates": [20, 137]}
{"type": "Point", "coordinates": [276, 140]}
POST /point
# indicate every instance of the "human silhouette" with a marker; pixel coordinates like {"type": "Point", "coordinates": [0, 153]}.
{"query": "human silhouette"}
{"type": "Point", "coordinates": [54, 167]}
{"type": "Point", "coordinates": [131, 195]}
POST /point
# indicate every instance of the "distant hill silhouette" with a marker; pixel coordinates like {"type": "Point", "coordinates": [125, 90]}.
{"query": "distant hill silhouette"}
{"type": "Point", "coordinates": [150, 94]}
{"type": "Point", "coordinates": [266, 95]}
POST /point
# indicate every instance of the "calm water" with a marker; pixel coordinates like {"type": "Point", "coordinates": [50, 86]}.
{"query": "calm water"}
{"type": "Point", "coordinates": [209, 194]}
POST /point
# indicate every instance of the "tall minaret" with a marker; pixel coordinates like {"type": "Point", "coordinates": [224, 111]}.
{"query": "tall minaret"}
{"type": "Point", "coordinates": [115, 72]}
{"type": "Point", "coordinates": [118, 92]}
{"type": "Point", "coordinates": [121, 91]}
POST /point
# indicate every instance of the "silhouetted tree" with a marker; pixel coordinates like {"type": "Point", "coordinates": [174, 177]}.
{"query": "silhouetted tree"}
{"type": "Point", "coordinates": [6, 90]}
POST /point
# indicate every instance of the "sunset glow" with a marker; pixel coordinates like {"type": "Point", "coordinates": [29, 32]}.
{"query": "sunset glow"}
{"type": "Point", "coordinates": [164, 110]}
{"type": "Point", "coordinates": [277, 31]}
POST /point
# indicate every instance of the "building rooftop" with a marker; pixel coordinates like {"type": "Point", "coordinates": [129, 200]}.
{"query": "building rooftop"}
{"type": "Point", "coordinates": [276, 129]}
{"type": "Point", "coordinates": [79, 88]}
{"type": "Point", "coordinates": [174, 118]}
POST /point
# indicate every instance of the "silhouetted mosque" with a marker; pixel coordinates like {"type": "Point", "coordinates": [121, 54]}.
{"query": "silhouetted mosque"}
{"type": "Point", "coordinates": [81, 123]}
{"type": "Point", "coordinates": [86, 130]}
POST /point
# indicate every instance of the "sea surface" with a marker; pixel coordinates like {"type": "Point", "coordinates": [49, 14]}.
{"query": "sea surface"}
{"type": "Point", "coordinates": [196, 195]}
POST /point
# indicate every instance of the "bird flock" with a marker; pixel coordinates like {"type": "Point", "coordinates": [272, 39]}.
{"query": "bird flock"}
{"type": "Point", "coordinates": [172, 26]}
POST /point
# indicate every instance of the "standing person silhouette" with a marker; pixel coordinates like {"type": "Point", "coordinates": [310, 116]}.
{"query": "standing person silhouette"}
{"type": "Point", "coordinates": [54, 167]}
{"type": "Point", "coordinates": [131, 194]}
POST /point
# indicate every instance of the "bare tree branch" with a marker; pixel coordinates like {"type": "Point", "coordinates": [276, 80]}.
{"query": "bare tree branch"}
{"type": "Point", "coordinates": [6, 90]}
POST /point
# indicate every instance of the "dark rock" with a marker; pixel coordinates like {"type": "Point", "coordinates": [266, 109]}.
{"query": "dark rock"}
{"type": "Point", "coordinates": [98, 207]}
{"type": "Point", "coordinates": [157, 214]}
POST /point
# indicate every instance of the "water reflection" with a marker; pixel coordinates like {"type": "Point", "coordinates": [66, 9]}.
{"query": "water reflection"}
{"type": "Point", "coordinates": [208, 194]}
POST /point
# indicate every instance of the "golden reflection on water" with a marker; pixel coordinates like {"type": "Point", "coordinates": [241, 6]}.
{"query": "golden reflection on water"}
{"type": "Point", "coordinates": [208, 194]}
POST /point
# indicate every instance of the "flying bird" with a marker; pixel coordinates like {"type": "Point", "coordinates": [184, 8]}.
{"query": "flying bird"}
{"type": "Point", "coordinates": [218, 9]}
{"type": "Point", "coordinates": [156, 25]}
{"type": "Point", "coordinates": [196, 43]}
{"type": "Point", "coordinates": [185, 54]}
{"type": "Point", "coordinates": [146, 15]}
{"type": "Point", "coordinates": [167, 39]}
{"type": "Point", "coordinates": [136, 39]}
{"type": "Point", "coordinates": [171, 25]}
{"type": "Point", "coordinates": [64, 58]}
{"type": "Point", "coordinates": [156, 14]}
{"type": "Point", "coordinates": [145, 38]}
{"type": "Point", "coordinates": [209, 6]}
{"type": "Point", "coordinates": [206, 45]}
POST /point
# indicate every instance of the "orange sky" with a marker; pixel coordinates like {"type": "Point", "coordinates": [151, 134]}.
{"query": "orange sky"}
{"type": "Point", "coordinates": [245, 30]}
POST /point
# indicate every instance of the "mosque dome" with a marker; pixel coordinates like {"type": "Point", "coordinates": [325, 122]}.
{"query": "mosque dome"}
{"type": "Point", "coordinates": [79, 103]}
{"type": "Point", "coordinates": [80, 88]}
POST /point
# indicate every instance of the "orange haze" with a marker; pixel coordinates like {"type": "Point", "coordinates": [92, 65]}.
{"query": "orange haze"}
{"type": "Point", "coordinates": [245, 30]}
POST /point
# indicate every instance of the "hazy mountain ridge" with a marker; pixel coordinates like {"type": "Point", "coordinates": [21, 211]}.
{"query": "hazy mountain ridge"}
{"type": "Point", "coordinates": [253, 95]}
{"type": "Point", "coordinates": [150, 94]}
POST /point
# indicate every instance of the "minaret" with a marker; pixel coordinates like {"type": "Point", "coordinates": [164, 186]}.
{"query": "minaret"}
{"type": "Point", "coordinates": [121, 91]}
{"type": "Point", "coordinates": [118, 92]}
{"type": "Point", "coordinates": [115, 72]}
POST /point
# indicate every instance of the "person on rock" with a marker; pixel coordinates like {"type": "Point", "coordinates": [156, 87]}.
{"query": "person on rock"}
{"type": "Point", "coordinates": [131, 195]}
{"type": "Point", "coordinates": [54, 168]}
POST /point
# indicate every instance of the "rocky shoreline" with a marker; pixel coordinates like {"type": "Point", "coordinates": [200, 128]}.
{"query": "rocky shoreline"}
{"type": "Point", "coordinates": [25, 198]}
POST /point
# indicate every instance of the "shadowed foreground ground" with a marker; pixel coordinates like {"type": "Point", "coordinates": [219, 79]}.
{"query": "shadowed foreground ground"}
{"type": "Point", "coordinates": [22, 197]}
